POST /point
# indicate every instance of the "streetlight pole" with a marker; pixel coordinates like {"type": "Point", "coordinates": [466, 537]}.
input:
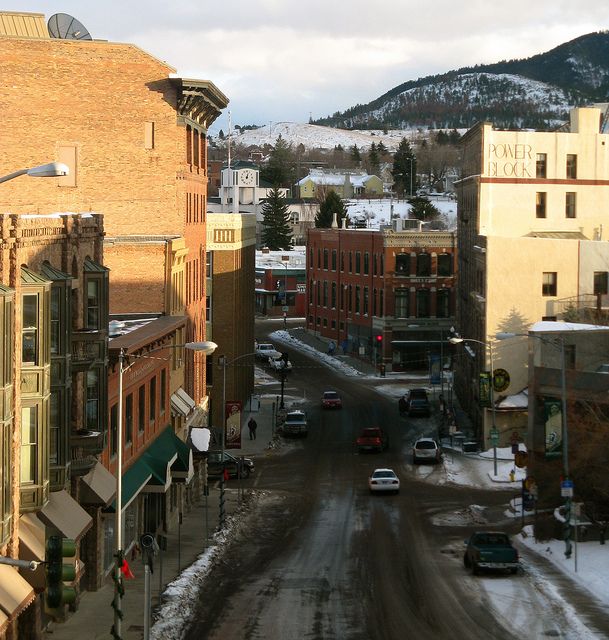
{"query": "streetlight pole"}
{"type": "Point", "coordinates": [564, 425]}
{"type": "Point", "coordinates": [489, 346]}
{"type": "Point", "coordinates": [50, 170]}
{"type": "Point", "coordinates": [204, 347]}
{"type": "Point", "coordinates": [224, 363]}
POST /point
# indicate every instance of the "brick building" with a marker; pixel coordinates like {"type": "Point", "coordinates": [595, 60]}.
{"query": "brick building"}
{"type": "Point", "coordinates": [231, 246]}
{"type": "Point", "coordinates": [388, 295]}
{"type": "Point", "coordinates": [136, 153]}
{"type": "Point", "coordinates": [54, 315]}
{"type": "Point", "coordinates": [281, 283]}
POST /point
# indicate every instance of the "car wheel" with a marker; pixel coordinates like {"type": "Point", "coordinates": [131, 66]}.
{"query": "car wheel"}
{"type": "Point", "coordinates": [475, 569]}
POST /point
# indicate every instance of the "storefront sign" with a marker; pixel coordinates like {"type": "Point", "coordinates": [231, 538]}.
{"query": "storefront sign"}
{"type": "Point", "coordinates": [510, 161]}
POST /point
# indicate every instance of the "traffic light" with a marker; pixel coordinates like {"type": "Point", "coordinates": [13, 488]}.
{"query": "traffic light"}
{"type": "Point", "coordinates": [379, 339]}
{"type": "Point", "coordinates": [57, 572]}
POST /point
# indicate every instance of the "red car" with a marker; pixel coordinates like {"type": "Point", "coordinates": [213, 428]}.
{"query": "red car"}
{"type": "Point", "coordinates": [331, 400]}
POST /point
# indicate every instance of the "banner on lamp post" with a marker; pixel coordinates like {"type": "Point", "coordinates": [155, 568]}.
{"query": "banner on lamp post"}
{"type": "Point", "coordinates": [484, 392]}
{"type": "Point", "coordinates": [232, 414]}
{"type": "Point", "coordinates": [434, 369]}
{"type": "Point", "coordinates": [552, 411]}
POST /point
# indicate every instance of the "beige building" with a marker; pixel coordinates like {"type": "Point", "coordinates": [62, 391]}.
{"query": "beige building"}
{"type": "Point", "coordinates": [532, 211]}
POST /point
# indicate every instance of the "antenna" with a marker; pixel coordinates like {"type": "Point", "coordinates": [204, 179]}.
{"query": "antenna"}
{"type": "Point", "coordinates": [65, 27]}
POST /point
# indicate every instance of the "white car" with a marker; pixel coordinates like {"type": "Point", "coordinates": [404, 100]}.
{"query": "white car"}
{"type": "Point", "coordinates": [266, 350]}
{"type": "Point", "coordinates": [277, 363]}
{"type": "Point", "coordinates": [426, 450]}
{"type": "Point", "coordinates": [383, 480]}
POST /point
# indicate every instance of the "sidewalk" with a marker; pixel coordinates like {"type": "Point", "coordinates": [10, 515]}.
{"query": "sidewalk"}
{"type": "Point", "coordinates": [95, 616]}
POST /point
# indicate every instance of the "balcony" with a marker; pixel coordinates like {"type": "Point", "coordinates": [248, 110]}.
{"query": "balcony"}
{"type": "Point", "coordinates": [87, 442]}
{"type": "Point", "coordinates": [88, 348]}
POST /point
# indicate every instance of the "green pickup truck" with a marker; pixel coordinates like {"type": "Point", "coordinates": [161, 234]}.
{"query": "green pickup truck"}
{"type": "Point", "coordinates": [488, 550]}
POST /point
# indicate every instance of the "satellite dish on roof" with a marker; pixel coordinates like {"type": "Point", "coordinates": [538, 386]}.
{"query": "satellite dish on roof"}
{"type": "Point", "coordinates": [66, 27]}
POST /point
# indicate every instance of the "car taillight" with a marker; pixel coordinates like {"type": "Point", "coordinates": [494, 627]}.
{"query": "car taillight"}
{"type": "Point", "coordinates": [373, 482]}
{"type": "Point", "coordinates": [376, 440]}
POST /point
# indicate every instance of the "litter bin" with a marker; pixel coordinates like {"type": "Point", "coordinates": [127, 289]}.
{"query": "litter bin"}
{"type": "Point", "coordinates": [382, 370]}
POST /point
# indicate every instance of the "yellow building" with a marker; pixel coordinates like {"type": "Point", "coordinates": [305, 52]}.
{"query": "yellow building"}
{"type": "Point", "coordinates": [347, 184]}
{"type": "Point", "coordinates": [532, 212]}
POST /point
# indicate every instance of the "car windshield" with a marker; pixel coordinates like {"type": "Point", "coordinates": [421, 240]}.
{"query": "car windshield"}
{"type": "Point", "coordinates": [383, 474]}
{"type": "Point", "coordinates": [425, 444]}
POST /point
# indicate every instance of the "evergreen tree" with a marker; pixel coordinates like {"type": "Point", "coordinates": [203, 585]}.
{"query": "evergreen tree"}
{"type": "Point", "coordinates": [331, 204]}
{"type": "Point", "coordinates": [373, 159]}
{"type": "Point", "coordinates": [276, 230]}
{"type": "Point", "coordinates": [355, 154]}
{"type": "Point", "coordinates": [279, 168]}
{"type": "Point", "coordinates": [404, 168]}
{"type": "Point", "coordinates": [423, 209]}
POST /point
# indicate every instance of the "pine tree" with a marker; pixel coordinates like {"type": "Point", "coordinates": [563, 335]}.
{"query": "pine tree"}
{"type": "Point", "coordinates": [404, 168]}
{"type": "Point", "coordinates": [276, 230]}
{"type": "Point", "coordinates": [331, 204]}
{"type": "Point", "coordinates": [280, 164]}
{"type": "Point", "coordinates": [423, 209]}
{"type": "Point", "coordinates": [355, 154]}
{"type": "Point", "coordinates": [373, 159]}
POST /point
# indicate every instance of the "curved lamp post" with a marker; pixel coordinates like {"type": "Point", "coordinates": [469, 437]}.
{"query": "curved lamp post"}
{"type": "Point", "coordinates": [558, 343]}
{"type": "Point", "coordinates": [50, 170]}
{"type": "Point", "coordinates": [489, 346]}
{"type": "Point", "coordinates": [203, 347]}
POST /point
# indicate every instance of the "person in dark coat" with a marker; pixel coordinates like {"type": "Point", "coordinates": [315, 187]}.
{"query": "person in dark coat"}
{"type": "Point", "coordinates": [252, 425]}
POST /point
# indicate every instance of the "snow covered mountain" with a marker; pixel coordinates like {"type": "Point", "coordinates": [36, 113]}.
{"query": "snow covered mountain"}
{"type": "Point", "coordinates": [535, 92]}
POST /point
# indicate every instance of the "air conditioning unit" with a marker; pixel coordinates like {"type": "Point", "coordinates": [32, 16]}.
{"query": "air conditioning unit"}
{"type": "Point", "coordinates": [410, 224]}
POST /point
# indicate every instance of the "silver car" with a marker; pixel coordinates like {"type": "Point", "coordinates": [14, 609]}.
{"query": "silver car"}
{"type": "Point", "coordinates": [426, 450]}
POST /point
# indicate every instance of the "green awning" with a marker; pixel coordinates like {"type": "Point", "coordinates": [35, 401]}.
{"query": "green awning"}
{"type": "Point", "coordinates": [166, 458]}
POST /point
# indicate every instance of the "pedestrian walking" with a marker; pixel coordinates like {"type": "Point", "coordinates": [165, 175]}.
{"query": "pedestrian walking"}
{"type": "Point", "coordinates": [252, 425]}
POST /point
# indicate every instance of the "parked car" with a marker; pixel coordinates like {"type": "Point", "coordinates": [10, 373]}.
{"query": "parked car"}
{"type": "Point", "coordinates": [417, 403]}
{"type": "Point", "coordinates": [602, 368]}
{"type": "Point", "coordinates": [266, 350]}
{"type": "Point", "coordinates": [215, 467]}
{"type": "Point", "coordinates": [426, 450]}
{"type": "Point", "coordinates": [490, 550]}
{"type": "Point", "coordinates": [331, 400]}
{"type": "Point", "coordinates": [296, 424]}
{"type": "Point", "coordinates": [277, 363]}
{"type": "Point", "coordinates": [372, 439]}
{"type": "Point", "coordinates": [383, 481]}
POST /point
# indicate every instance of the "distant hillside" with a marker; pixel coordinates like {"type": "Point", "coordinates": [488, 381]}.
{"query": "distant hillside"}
{"type": "Point", "coordinates": [535, 92]}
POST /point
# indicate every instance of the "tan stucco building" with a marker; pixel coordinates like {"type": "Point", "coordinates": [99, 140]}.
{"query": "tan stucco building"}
{"type": "Point", "coordinates": [532, 239]}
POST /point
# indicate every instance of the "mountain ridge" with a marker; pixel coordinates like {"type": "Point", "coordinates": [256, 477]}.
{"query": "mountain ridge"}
{"type": "Point", "coordinates": [574, 73]}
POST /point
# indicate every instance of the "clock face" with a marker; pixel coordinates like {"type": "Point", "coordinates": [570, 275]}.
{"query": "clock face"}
{"type": "Point", "coordinates": [247, 177]}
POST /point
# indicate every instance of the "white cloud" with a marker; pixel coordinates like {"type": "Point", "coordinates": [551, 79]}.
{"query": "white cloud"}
{"type": "Point", "coordinates": [281, 60]}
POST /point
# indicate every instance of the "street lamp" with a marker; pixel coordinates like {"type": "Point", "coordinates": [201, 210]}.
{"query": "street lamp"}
{"type": "Point", "coordinates": [203, 347]}
{"type": "Point", "coordinates": [559, 343]}
{"type": "Point", "coordinates": [224, 364]}
{"type": "Point", "coordinates": [51, 170]}
{"type": "Point", "coordinates": [455, 340]}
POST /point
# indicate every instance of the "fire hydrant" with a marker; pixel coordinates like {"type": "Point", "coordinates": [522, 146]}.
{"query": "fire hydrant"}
{"type": "Point", "coordinates": [512, 476]}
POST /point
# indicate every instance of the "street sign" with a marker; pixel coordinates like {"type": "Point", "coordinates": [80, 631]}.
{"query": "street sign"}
{"type": "Point", "coordinates": [566, 488]}
{"type": "Point", "coordinates": [285, 309]}
{"type": "Point", "coordinates": [494, 433]}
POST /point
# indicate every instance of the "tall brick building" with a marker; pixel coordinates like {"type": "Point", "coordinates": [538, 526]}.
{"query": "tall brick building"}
{"type": "Point", "coordinates": [136, 144]}
{"type": "Point", "coordinates": [387, 295]}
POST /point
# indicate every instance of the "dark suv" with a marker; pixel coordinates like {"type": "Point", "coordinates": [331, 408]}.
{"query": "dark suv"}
{"type": "Point", "coordinates": [231, 463]}
{"type": "Point", "coordinates": [417, 403]}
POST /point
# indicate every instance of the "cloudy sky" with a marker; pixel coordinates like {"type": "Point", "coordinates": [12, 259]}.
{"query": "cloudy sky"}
{"type": "Point", "coordinates": [279, 60]}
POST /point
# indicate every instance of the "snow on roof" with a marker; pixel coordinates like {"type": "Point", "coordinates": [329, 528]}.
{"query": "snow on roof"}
{"type": "Point", "coordinates": [517, 401]}
{"type": "Point", "coordinates": [295, 259]}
